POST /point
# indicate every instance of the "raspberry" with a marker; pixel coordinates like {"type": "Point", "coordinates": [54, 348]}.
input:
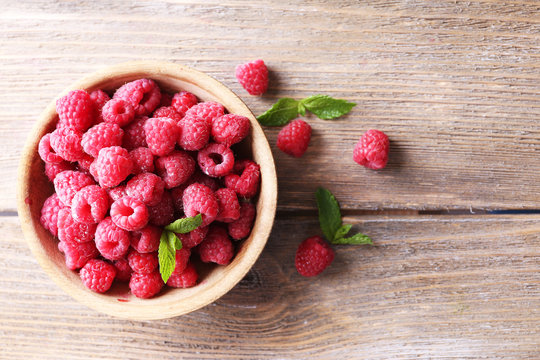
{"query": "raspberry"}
{"type": "Point", "coordinates": [294, 138]}
{"type": "Point", "coordinates": [97, 275]}
{"type": "Point", "coordinates": [166, 100]}
{"type": "Point", "coordinates": [145, 285]}
{"type": "Point", "coordinates": [66, 143]}
{"type": "Point", "coordinates": [75, 110]}
{"type": "Point", "coordinates": [183, 101]}
{"type": "Point", "coordinates": [143, 160]}
{"type": "Point", "coordinates": [118, 111]}
{"type": "Point", "coordinates": [143, 263]}
{"type": "Point", "coordinates": [175, 169]}
{"type": "Point", "coordinates": [199, 177]}
{"type": "Point", "coordinates": [207, 110]}
{"type": "Point", "coordinates": [163, 213]}
{"type": "Point", "coordinates": [200, 199]}
{"type": "Point", "coordinates": [246, 184]}
{"type": "Point", "coordinates": [241, 228]}
{"type": "Point", "coordinates": [372, 150]}
{"type": "Point", "coordinates": [129, 213]}
{"type": "Point", "coordinates": [68, 183]}
{"type": "Point", "coordinates": [161, 135]}
{"type": "Point", "coordinates": [99, 98]}
{"type": "Point", "coordinates": [181, 262]}
{"type": "Point", "coordinates": [123, 270]}
{"type": "Point", "coordinates": [90, 204]}
{"type": "Point", "coordinates": [101, 136]}
{"type": "Point", "coordinates": [78, 254]}
{"type": "Point", "coordinates": [142, 94]}
{"type": "Point", "coordinates": [71, 231]}
{"type": "Point", "coordinates": [230, 129]}
{"type": "Point", "coordinates": [147, 187]}
{"type": "Point", "coordinates": [216, 160]}
{"type": "Point", "coordinates": [168, 112]}
{"type": "Point", "coordinates": [146, 240]}
{"type": "Point", "coordinates": [194, 132]}
{"type": "Point", "coordinates": [46, 152]}
{"type": "Point", "coordinates": [134, 135]}
{"type": "Point", "coordinates": [185, 279]}
{"type": "Point", "coordinates": [113, 165]}
{"type": "Point", "coordinates": [229, 208]}
{"type": "Point", "coordinates": [111, 241]}
{"type": "Point", "coordinates": [193, 238]}
{"type": "Point", "coordinates": [84, 164]}
{"type": "Point", "coordinates": [49, 213]}
{"type": "Point", "coordinates": [253, 76]}
{"type": "Point", "coordinates": [313, 256]}
{"type": "Point", "coordinates": [51, 170]}
{"type": "Point", "coordinates": [116, 193]}
{"type": "Point", "coordinates": [217, 247]}
{"type": "Point", "coordinates": [176, 194]}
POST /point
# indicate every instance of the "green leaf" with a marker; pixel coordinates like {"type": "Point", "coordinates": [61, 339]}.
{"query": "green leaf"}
{"type": "Point", "coordinates": [342, 231]}
{"type": "Point", "coordinates": [174, 241]}
{"type": "Point", "coordinates": [357, 239]}
{"type": "Point", "coordinates": [280, 113]}
{"type": "Point", "coordinates": [301, 108]}
{"type": "Point", "coordinates": [166, 255]}
{"type": "Point", "coordinates": [329, 214]}
{"type": "Point", "coordinates": [185, 225]}
{"type": "Point", "coordinates": [326, 107]}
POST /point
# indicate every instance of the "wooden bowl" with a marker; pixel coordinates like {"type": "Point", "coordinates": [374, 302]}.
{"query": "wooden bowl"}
{"type": "Point", "coordinates": [34, 188]}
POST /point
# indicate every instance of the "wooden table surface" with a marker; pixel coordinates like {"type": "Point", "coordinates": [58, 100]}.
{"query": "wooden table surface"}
{"type": "Point", "coordinates": [455, 85]}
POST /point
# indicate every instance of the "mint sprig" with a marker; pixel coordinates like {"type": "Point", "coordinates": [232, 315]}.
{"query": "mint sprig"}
{"type": "Point", "coordinates": [286, 109]}
{"type": "Point", "coordinates": [331, 223]}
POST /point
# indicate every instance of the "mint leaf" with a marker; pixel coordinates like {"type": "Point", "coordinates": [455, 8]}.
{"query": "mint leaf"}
{"type": "Point", "coordinates": [326, 107]}
{"type": "Point", "coordinates": [185, 225]}
{"type": "Point", "coordinates": [280, 113]}
{"type": "Point", "coordinates": [357, 239]}
{"type": "Point", "coordinates": [301, 108]}
{"type": "Point", "coordinates": [166, 255]}
{"type": "Point", "coordinates": [174, 240]}
{"type": "Point", "coordinates": [329, 214]}
{"type": "Point", "coordinates": [342, 231]}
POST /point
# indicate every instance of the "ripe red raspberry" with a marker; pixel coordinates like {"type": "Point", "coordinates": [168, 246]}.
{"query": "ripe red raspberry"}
{"type": "Point", "coordinates": [168, 112]}
{"type": "Point", "coordinates": [372, 150]}
{"type": "Point", "coordinates": [246, 184]}
{"type": "Point", "coordinates": [216, 247]}
{"type": "Point", "coordinates": [129, 213]}
{"type": "Point", "coordinates": [194, 133]}
{"type": "Point", "coordinates": [229, 208]}
{"type": "Point", "coordinates": [199, 177]}
{"type": "Point", "coordinates": [49, 213]}
{"type": "Point", "coordinates": [123, 270]}
{"type": "Point", "coordinates": [181, 260]}
{"type": "Point", "coordinates": [68, 183]}
{"type": "Point", "coordinates": [75, 110]}
{"type": "Point", "coordinates": [143, 160]}
{"type": "Point", "coordinates": [207, 110]}
{"type": "Point", "coordinates": [146, 285]}
{"type": "Point", "coordinates": [78, 254]}
{"type": "Point", "coordinates": [176, 194]}
{"type": "Point", "coordinates": [161, 135]}
{"type": "Point", "coordinates": [294, 138]}
{"type": "Point", "coordinates": [118, 111]}
{"type": "Point", "coordinates": [46, 152]}
{"type": "Point", "coordinates": [134, 135]}
{"type": "Point", "coordinates": [142, 94]}
{"type": "Point", "coordinates": [230, 129]}
{"type": "Point", "coordinates": [146, 240]}
{"type": "Point", "coordinates": [71, 231]}
{"type": "Point", "coordinates": [143, 263]}
{"type": "Point", "coordinates": [185, 279]}
{"type": "Point", "coordinates": [166, 100]}
{"type": "Point", "coordinates": [147, 187]}
{"type": "Point", "coordinates": [313, 256]}
{"type": "Point", "coordinates": [111, 241]}
{"type": "Point", "coordinates": [216, 160]}
{"type": "Point", "coordinates": [200, 199]}
{"type": "Point", "coordinates": [116, 193]}
{"type": "Point", "coordinates": [113, 165]}
{"type": "Point", "coordinates": [51, 170]}
{"type": "Point", "coordinates": [84, 164]}
{"type": "Point", "coordinates": [101, 136]}
{"type": "Point", "coordinates": [66, 143]}
{"type": "Point", "coordinates": [97, 275]}
{"type": "Point", "coordinates": [175, 168]}
{"type": "Point", "coordinates": [253, 76]}
{"type": "Point", "coordinates": [163, 213]}
{"type": "Point", "coordinates": [241, 228]}
{"type": "Point", "coordinates": [99, 98]}
{"type": "Point", "coordinates": [183, 101]}
{"type": "Point", "coordinates": [193, 238]}
{"type": "Point", "coordinates": [90, 204]}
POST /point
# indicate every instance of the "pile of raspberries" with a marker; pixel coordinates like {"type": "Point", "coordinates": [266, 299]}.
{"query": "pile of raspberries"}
{"type": "Point", "coordinates": [125, 167]}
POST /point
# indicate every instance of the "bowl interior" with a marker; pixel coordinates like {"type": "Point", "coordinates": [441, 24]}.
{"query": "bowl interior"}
{"type": "Point", "coordinates": [34, 188]}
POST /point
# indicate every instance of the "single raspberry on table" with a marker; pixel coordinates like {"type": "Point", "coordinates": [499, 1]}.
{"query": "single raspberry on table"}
{"type": "Point", "coordinates": [183, 101]}
{"type": "Point", "coordinates": [146, 285]}
{"type": "Point", "coordinates": [372, 150]}
{"type": "Point", "coordinates": [99, 98]}
{"type": "Point", "coordinates": [66, 143]}
{"type": "Point", "coordinates": [147, 187]}
{"type": "Point", "coordinates": [194, 237]}
{"type": "Point", "coordinates": [208, 110]}
{"type": "Point", "coordinates": [68, 183]}
{"type": "Point", "coordinates": [200, 199]}
{"type": "Point", "coordinates": [241, 228]}
{"type": "Point", "coordinates": [216, 160]}
{"type": "Point", "coordinates": [253, 76]}
{"type": "Point", "coordinates": [146, 240]}
{"type": "Point", "coordinates": [75, 110]}
{"type": "Point", "coordinates": [187, 278]}
{"type": "Point", "coordinates": [78, 254]}
{"type": "Point", "coordinates": [51, 170]}
{"type": "Point", "coordinates": [98, 275]}
{"type": "Point", "coordinates": [229, 208]}
{"type": "Point", "coordinates": [143, 94]}
{"type": "Point", "coordinates": [294, 138]}
{"type": "Point", "coordinates": [230, 129]}
{"type": "Point", "coordinates": [143, 263]}
{"type": "Point", "coordinates": [168, 112]}
{"type": "Point", "coordinates": [123, 270]}
{"type": "Point", "coordinates": [161, 135]}
{"type": "Point", "coordinates": [113, 165]}
{"type": "Point", "coordinates": [129, 213]}
{"type": "Point", "coordinates": [116, 193]}
{"type": "Point", "coordinates": [143, 160]}
{"type": "Point", "coordinates": [46, 152]}
{"type": "Point", "coordinates": [216, 247]}
{"type": "Point", "coordinates": [247, 183]}
{"type": "Point", "coordinates": [163, 213]}
{"type": "Point", "coordinates": [101, 136]}
{"type": "Point", "coordinates": [49, 213]}
{"type": "Point", "coordinates": [71, 231]}
{"type": "Point", "coordinates": [111, 241]}
{"type": "Point", "coordinates": [118, 111]}
{"type": "Point", "coordinates": [134, 135]}
{"type": "Point", "coordinates": [194, 132]}
{"type": "Point", "coordinates": [313, 256]}
{"type": "Point", "coordinates": [90, 204]}
{"type": "Point", "coordinates": [175, 168]}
